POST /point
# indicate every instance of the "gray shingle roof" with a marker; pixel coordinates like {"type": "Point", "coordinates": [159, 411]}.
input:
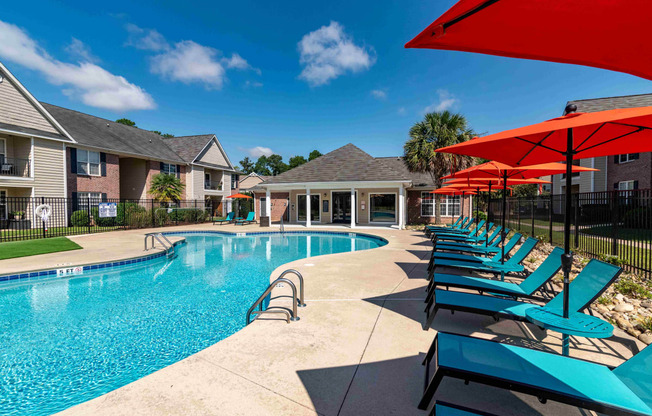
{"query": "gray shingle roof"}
{"type": "Point", "coordinates": [611, 103]}
{"type": "Point", "coordinates": [349, 164]}
{"type": "Point", "coordinates": [188, 147]}
{"type": "Point", "coordinates": [108, 135]}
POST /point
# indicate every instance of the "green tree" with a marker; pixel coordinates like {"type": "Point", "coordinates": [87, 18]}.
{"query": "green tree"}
{"type": "Point", "coordinates": [126, 122]}
{"type": "Point", "coordinates": [314, 155]}
{"type": "Point", "coordinates": [246, 165]}
{"type": "Point", "coordinates": [296, 161]}
{"type": "Point", "coordinates": [166, 188]}
{"type": "Point", "coordinates": [167, 135]}
{"type": "Point", "coordinates": [437, 130]}
{"type": "Point", "coordinates": [276, 165]}
{"type": "Point", "coordinates": [261, 167]}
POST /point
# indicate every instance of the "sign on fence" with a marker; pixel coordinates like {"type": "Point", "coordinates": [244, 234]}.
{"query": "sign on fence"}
{"type": "Point", "coordinates": [108, 209]}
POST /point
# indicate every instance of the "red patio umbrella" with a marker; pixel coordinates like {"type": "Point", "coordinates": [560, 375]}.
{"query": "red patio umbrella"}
{"type": "Point", "coordinates": [573, 136]}
{"type": "Point", "coordinates": [239, 196]}
{"type": "Point", "coordinates": [609, 34]}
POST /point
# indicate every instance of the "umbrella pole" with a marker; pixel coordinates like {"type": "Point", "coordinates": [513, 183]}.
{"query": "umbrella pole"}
{"type": "Point", "coordinates": [476, 211]}
{"type": "Point", "coordinates": [488, 203]}
{"type": "Point", "coordinates": [503, 234]}
{"type": "Point", "coordinates": [567, 258]}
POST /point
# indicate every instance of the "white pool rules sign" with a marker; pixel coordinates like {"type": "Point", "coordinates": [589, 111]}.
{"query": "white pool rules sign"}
{"type": "Point", "coordinates": [108, 209]}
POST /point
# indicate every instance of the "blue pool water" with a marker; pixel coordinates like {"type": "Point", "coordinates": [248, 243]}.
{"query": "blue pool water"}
{"type": "Point", "coordinates": [69, 340]}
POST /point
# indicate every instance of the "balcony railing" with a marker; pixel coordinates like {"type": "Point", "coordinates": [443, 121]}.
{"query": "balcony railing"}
{"type": "Point", "coordinates": [10, 166]}
{"type": "Point", "coordinates": [212, 186]}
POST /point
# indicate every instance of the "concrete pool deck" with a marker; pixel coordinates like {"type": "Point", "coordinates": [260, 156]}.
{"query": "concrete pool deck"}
{"type": "Point", "coordinates": [357, 349]}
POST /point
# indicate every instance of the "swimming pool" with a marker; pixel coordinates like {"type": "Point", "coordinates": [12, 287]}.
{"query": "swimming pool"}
{"type": "Point", "coordinates": [65, 341]}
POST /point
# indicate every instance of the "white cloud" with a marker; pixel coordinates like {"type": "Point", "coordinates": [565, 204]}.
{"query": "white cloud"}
{"type": "Point", "coordinates": [446, 101]}
{"type": "Point", "coordinates": [253, 84]}
{"type": "Point", "coordinates": [401, 111]}
{"type": "Point", "coordinates": [146, 39]}
{"type": "Point", "coordinates": [78, 50]}
{"type": "Point", "coordinates": [258, 151]}
{"type": "Point", "coordinates": [86, 81]}
{"type": "Point", "coordinates": [379, 94]}
{"type": "Point", "coordinates": [190, 62]}
{"type": "Point", "coordinates": [328, 52]}
{"type": "Point", "coordinates": [238, 62]}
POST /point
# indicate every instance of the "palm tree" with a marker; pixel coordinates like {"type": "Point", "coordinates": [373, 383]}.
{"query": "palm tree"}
{"type": "Point", "coordinates": [166, 188]}
{"type": "Point", "coordinates": [437, 130]}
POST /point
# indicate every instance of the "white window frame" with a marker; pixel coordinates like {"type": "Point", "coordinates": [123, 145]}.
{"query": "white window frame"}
{"type": "Point", "coordinates": [3, 148]}
{"type": "Point", "coordinates": [445, 201]}
{"type": "Point", "coordinates": [318, 195]}
{"type": "Point", "coordinates": [625, 159]}
{"type": "Point", "coordinates": [88, 163]}
{"type": "Point", "coordinates": [82, 199]}
{"type": "Point", "coordinates": [234, 181]}
{"type": "Point", "coordinates": [624, 185]}
{"type": "Point", "coordinates": [396, 213]}
{"type": "Point", "coordinates": [169, 169]}
{"type": "Point", "coordinates": [431, 199]}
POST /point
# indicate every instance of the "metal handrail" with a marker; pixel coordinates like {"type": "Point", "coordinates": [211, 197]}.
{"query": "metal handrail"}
{"type": "Point", "coordinates": [301, 302]}
{"type": "Point", "coordinates": [162, 239]}
{"type": "Point", "coordinates": [259, 301]}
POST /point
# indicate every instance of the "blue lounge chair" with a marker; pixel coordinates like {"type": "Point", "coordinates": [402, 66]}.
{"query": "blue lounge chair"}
{"type": "Point", "coordinates": [455, 233]}
{"type": "Point", "coordinates": [526, 289]}
{"type": "Point", "coordinates": [465, 238]}
{"type": "Point", "coordinates": [461, 226]}
{"type": "Point", "coordinates": [587, 286]}
{"type": "Point", "coordinates": [488, 265]}
{"type": "Point", "coordinates": [251, 217]}
{"type": "Point", "coordinates": [480, 249]}
{"type": "Point", "coordinates": [448, 248]}
{"type": "Point", "coordinates": [228, 219]}
{"type": "Point", "coordinates": [624, 390]}
{"type": "Point", "coordinates": [449, 409]}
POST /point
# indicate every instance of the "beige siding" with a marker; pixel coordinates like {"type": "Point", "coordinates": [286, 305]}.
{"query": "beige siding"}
{"type": "Point", "coordinates": [49, 180]}
{"type": "Point", "coordinates": [585, 180]}
{"type": "Point", "coordinates": [17, 110]}
{"type": "Point", "coordinates": [213, 156]}
{"type": "Point", "coordinates": [196, 183]}
{"type": "Point", "coordinates": [600, 177]}
{"type": "Point", "coordinates": [249, 182]}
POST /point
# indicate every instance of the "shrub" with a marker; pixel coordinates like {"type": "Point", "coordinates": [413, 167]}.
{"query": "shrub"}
{"type": "Point", "coordinates": [638, 218]}
{"type": "Point", "coordinates": [161, 217]}
{"type": "Point", "coordinates": [126, 210]}
{"type": "Point", "coordinates": [482, 216]}
{"type": "Point", "coordinates": [647, 323]}
{"type": "Point", "coordinates": [177, 215]}
{"type": "Point", "coordinates": [79, 219]}
{"type": "Point", "coordinates": [615, 260]}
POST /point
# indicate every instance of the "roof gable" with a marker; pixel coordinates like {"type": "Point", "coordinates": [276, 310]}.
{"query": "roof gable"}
{"type": "Point", "coordinates": [349, 164]}
{"type": "Point", "coordinates": [204, 149]}
{"type": "Point", "coordinates": [21, 113]}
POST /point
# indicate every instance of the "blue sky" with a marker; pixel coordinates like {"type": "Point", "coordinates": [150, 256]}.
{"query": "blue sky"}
{"type": "Point", "coordinates": [286, 76]}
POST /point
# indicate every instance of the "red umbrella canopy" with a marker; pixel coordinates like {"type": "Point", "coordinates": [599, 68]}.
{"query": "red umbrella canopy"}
{"type": "Point", "coordinates": [513, 173]}
{"type": "Point", "coordinates": [609, 34]}
{"type": "Point", "coordinates": [452, 191]}
{"type": "Point", "coordinates": [239, 196]}
{"type": "Point", "coordinates": [483, 182]}
{"type": "Point", "coordinates": [603, 133]}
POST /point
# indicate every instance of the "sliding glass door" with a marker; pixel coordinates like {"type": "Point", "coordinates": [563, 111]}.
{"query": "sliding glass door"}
{"type": "Point", "coordinates": [382, 208]}
{"type": "Point", "coordinates": [314, 208]}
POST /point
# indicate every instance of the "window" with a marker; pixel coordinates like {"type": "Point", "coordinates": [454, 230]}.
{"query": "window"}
{"type": "Point", "coordinates": [88, 163]}
{"type": "Point", "coordinates": [626, 186]}
{"type": "Point", "coordinates": [207, 180]}
{"type": "Point", "coordinates": [427, 204]}
{"type": "Point", "coordinates": [3, 204]}
{"type": "Point", "coordinates": [575, 174]}
{"type": "Point", "coordinates": [625, 158]}
{"type": "Point", "coordinates": [449, 206]}
{"type": "Point", "coordinates": [314, 208]}
{"type": "Point", "coordinates": [3, 150]}
{"type": "Point", "coordinates": [84, 197]}
{"type": "Point", "coordinates": [382, 207]}
{"type": "Point", "coordinates": [168, 168]}
{"type": "Point", "coordinates": [234, 181]}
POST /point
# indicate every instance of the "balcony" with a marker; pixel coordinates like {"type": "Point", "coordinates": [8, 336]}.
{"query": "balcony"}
{"type": "Point", "coordinates": [15, 167]}
{"type": "Point", "coordinates": [212, 186]}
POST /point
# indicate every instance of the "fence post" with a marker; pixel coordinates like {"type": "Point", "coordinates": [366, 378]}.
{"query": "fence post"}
{"type": "Point", "coordinates": [577, 220]}
{"type": "Point", "coordinates": [42, 222]}
{"type": "Point", "coordinates": [550, 217]}
{"type": "Point", "coordinates": [532, 214]}
{"type": "Point", "coordinates": [518, 212]}
{"type": "Point", "coordinates": [196, 216]}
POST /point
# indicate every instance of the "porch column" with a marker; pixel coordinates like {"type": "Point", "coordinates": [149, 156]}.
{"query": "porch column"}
{"type": "Point", "coordinates": [308, 208]}
{"type": "Point", "coordinates": [354, 208]}
{"type": "Point", "coordinates": [401, 207]}
{"type": "Point", "coordinates": [268, 205]}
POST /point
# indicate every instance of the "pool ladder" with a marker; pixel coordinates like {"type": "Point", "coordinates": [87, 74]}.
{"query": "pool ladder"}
{"type": "Point", "coordinates": [290, 315]}
{"type": "Point", "coordinates": [163, 240]}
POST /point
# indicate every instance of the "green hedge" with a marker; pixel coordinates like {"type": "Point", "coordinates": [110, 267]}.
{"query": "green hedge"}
{"type": "Point", "coordinates": [79, 219]}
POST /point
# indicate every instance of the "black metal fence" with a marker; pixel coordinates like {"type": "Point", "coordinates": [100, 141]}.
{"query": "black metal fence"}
{"type": "Point", "coordinates": [20, 221]}
{"type": "Point", "coordinates": [614, 225]}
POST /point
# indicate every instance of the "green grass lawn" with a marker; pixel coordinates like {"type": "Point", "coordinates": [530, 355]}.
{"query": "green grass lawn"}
{"type": "Point", "coordinates": [58, 231]}
{"type": "Point", "coordinates": [26, 248]}
{"type": "Point", "coordinates": [636, 234]}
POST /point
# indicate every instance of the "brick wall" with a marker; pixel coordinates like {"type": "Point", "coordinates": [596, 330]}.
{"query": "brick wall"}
{"type": "Point", "coordinates": [278, 199]}
{"type": "Point", "coordinates": [109, 184]}
{"type": "Point", "coordinates": [637, 170]}
{"type": "Point", "coordinates": [154, 168]}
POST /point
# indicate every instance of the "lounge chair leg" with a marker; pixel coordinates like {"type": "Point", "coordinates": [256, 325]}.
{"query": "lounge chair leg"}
{"type": "Point", "coordinates": [542, 400]}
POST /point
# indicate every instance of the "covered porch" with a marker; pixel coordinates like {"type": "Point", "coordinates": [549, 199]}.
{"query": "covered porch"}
{"type": "Point", "coordinates": [342, 204]}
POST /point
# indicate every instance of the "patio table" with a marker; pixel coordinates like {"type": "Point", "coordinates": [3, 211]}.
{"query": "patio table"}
{"type": "Point", "coordinates": [577, 323]}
